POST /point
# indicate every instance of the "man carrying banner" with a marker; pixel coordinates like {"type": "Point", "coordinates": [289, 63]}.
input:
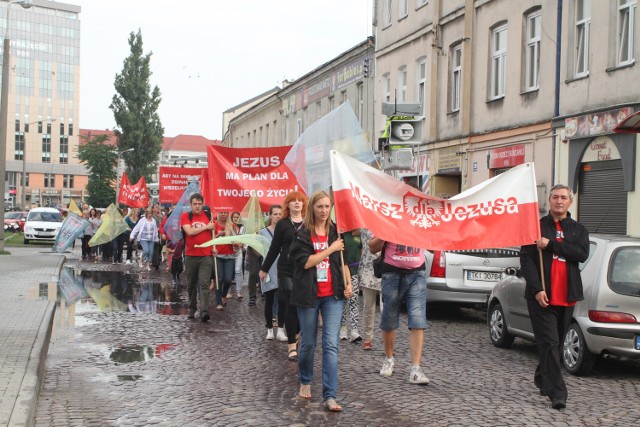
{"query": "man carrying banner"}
{"type": "Point", "coordinates": [403, 278]}
{"type": "Point", "coordinates": [552, 296]}
{"type": "Point", "coordinates": [197, 226]}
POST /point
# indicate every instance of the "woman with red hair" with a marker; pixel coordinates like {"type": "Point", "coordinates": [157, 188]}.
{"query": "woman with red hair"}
{"type": "Point", "coordinates": [294, 210]}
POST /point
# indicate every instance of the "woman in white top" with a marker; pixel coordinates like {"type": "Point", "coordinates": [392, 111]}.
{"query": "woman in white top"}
{"type": "Point", "coordinates": [146, 232]}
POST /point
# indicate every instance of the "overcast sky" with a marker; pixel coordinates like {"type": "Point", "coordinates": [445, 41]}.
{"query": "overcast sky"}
{"type": "Point", "coordinates": [210, 55]}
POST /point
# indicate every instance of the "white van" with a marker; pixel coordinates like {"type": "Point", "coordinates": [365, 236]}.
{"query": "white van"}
{"type": "Point", "coordinates": [42, 224]}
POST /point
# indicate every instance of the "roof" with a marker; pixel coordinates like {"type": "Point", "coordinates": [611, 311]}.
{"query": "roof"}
{"type": "Point", "coordinates": [188, 143]}
{"type": "Point", "coordinates": [181, 142]}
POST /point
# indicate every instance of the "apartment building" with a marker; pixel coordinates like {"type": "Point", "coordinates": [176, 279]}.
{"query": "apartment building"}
{"type": "Point", "coordinates": [502, 83]}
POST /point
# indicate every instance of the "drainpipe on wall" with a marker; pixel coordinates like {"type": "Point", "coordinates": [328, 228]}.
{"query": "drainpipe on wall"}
{"type": "Point", "coordinates": [556, 106]}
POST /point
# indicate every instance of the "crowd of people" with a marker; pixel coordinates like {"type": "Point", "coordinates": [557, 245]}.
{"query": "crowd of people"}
{"type": "Point", "coordinates": [311, 277]}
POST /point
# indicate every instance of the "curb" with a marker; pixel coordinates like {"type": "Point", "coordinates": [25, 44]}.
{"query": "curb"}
{"type": "Point", "coordinates": [26, 405]}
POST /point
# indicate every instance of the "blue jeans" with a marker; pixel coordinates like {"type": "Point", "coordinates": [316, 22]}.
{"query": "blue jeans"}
{"type": "Point", "coordinates": [147, 250]}
{"type": "Point", "coordinates": [331, 309]}
{"type": "Point", "coordinates": [226, 271]}
{"type": "Point", "coordinates": [412, 288]}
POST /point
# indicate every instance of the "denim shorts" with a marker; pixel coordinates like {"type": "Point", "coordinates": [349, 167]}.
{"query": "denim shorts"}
{"type": "Point", "coordinates": [412, 288]}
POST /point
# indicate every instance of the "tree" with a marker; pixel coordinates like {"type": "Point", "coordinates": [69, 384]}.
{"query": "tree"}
{"type": "Point", "coordinates": [135, 109]}
{"type": "Point", "coordinates": [100, 159]}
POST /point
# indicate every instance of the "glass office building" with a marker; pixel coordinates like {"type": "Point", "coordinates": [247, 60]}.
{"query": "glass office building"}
{"type": "Point", "coordinates": [43, 108]}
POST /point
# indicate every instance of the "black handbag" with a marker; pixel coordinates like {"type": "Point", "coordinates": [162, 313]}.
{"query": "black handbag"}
{"type": "Point", "coordinates": [377, 263]}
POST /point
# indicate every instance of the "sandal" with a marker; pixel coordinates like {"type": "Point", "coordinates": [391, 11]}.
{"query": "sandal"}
{"type": "Point", "coordinates": [305, 391]}
{"type": "Point", "coordinates": [332, 405]}
{"type": "Point", "coordinates": [293, 355]}
{"type": "Point", "coordinates": [219, 307]}
{"type": "Point", "coordinates": [240, 297]}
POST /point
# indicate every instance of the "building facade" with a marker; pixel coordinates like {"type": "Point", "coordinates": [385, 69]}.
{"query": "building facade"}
{"type": "Point", "coordinates": [281, 118]}
{"type": "Point", "coordinates": [43, 109]}
{"type": "Point", "coordinates": [503, 83]}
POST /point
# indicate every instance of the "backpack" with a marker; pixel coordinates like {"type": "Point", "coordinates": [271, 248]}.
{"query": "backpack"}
{"type": "Point", "coordinates": [184, 235]}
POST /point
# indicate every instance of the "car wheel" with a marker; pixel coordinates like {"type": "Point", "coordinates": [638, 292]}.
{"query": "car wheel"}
{"type": "Point", "coordinates": [500, 336]}
{"type": "Point", "coordinates": [26, 241]}
{"type": "Point", "coordinates": [577, 358]}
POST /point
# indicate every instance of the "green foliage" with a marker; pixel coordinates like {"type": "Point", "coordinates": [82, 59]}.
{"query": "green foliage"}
{"type": "Point", "coordinates": [135, 110]}
{"type": "Point", "coordinates": [100, 159]}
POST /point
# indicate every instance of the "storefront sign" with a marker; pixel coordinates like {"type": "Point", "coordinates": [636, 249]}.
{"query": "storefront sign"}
{"type": "Point", "coordinates": [601, 149]}
{"type": "Point", "coordinates": [448, 160]}
{"type": "Point", "coordinates": [422, 162]}
{"type": "Point", "coordinates": [506, 157]}
{"type": "Point", "coordinates": [595, 124]}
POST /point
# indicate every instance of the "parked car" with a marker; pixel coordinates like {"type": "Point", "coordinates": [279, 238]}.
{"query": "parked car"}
{"type": "Point", "coordinates": [605, 323]}
{"type": "Point", "coordinates": [15, 217]}
{"type": "Point", "coordinates": [42, 224]}
{"type": "Point", "coordinates": [466, 277]}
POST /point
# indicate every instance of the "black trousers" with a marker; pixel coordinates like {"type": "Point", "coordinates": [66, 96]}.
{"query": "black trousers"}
{"type": "Point", "coordinates": [549, 327]}
{"type": "Point", "coordinates": [291, 324]}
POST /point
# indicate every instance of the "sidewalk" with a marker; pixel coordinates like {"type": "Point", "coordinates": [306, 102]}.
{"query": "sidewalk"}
{"type": "Point", "coordinates": [26, 320]}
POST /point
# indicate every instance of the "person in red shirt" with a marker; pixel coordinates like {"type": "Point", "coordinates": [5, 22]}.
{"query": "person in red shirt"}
{"type": "Point", "coordinates": [197, 226]}
{"type": "Point", "coordinates": [321, 283]}
{"type": "Point", "coordinates": [550, 268]}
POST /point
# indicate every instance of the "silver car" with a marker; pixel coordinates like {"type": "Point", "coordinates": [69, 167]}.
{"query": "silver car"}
{"type": "Point", "coordinates": [466, 277]}
{"type": "Point", "coordinates": [605, 323]}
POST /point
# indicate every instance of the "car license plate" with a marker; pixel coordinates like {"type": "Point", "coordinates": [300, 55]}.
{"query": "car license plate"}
{"type": "Point", "coordinates": [637, 342]}
{"type": "Point", "coordinates": [484, 276]}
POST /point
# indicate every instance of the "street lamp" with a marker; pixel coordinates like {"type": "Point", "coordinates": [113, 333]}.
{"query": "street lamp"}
{"type": "Point", "coordinates": [4, 104]}
{"type": "Point", "coordinates": [23, 194]}
{"type": "Point", "coordinates": [118, 172]}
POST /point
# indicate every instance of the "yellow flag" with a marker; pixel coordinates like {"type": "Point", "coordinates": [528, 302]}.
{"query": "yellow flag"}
{"type": "Point", "coordinates": [252, 216]}
{"type": "Point", "coordinates": [112, 226]}
{"type": "Point", "coordinates": [74, 208]}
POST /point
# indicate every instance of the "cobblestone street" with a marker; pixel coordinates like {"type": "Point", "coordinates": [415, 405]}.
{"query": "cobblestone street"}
{"type": "Point", "coordinates": [225, 373]}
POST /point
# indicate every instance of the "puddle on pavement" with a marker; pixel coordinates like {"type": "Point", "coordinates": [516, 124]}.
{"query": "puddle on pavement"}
{"type": "Point", "coordinates": [138, 353]}
{"type": "Point", "coordinates": [129, 377]}
{"type": "Point", "coordinates": [79, 294]}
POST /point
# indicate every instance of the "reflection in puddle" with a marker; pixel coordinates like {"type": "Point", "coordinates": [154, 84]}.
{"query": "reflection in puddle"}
{"type": "Point", "coordinates": [138, 353]}
{"type": "Point", "coordinates": [80, 295]}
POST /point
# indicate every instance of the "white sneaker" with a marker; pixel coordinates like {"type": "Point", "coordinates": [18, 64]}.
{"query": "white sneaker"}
{"type": "Point", "coordinates": [270, 334]}
{"type": "Point", "coordinates": [354, 336]}
{"type": "Point", "coordinates": [281, 335]}
{"type": "Point", "coordinates": [387, 367]}
{"type": "Point", "coordinates": [344, 333]}
{"type": "Point", "coordinates": [128, 262]}
{"type": "Point", "coordinates": [417, 376]}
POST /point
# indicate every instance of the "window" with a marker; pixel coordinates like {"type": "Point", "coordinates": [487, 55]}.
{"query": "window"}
{"type": "Point", "coordinates": [403, 8]}
{"type": "Point", "coordinates": [583, 23]}
{"type": "Point", "coordinates": [298, 128]}
{"type": "Point", "coordinates": [343, 97]}
{"type": "Point", "coordinates": [386, 13]}
{"type": "Point", "coordinates": [266, 135]}
{"type": "Point", "coordinates": [420, 3]}
{"type": "Point", "coordinates": [49, 180]}
{"type": "Point", "coordinates": [70, 127]}
{"type": "Point", "coordinates": [421, 83]}
{"type": "Point", "coordinates": [402, 84]}
{"type": "Point", "coordinates": [626, 31]}
{"type": "Point", "coordinates": [64, 149]}
{"type": "Point", "coordinates": [332, 103]}
{"type": "Point", "coordinates": [456, 77]}
{"type": "Point", "coordinates": [67, 181]}
{"type": "Point", "coordinates": [386, 88]}
{"type": "Point", "coordinates": [532, 51]}
{"type": "Point", "coordinates": [19, 146]}
{"type": "Point", "coordinates": [361, 103]}
{"type": "Point", "coordinates": [498, 62]}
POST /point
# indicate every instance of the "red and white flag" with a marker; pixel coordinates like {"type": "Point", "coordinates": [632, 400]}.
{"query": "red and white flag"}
{"type": "Point", "coordinates": [135, 196]}
{"type": "Point", "coordinates": [502, 211]}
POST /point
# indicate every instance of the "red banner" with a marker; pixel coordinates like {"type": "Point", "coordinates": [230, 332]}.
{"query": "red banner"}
{"type": "Point", "coordinates": [135, 196]}
{"type": "Point", "coordinates": [499, 212]}
{"type": "Point", "coordinates": [173, 181]}
{"type": "Point", "coordinates": [237, 173]}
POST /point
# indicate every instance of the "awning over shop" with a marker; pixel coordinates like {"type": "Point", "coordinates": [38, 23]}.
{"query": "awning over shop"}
{"type": "Point", "coordinates": [629, 125]}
